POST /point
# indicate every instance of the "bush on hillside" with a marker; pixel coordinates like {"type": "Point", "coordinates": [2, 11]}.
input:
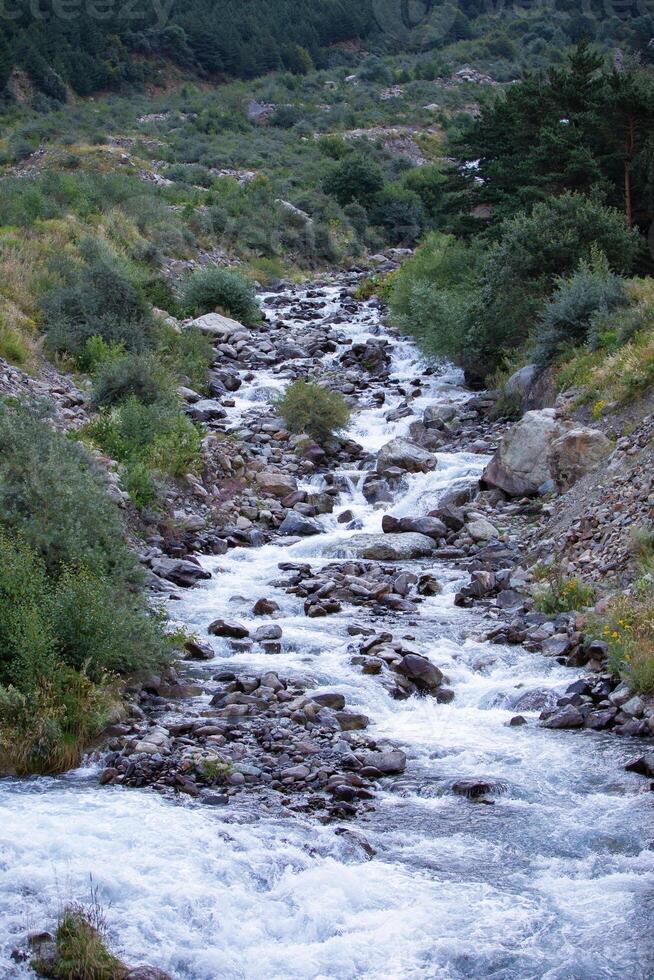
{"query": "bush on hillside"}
{"type": "Point", "coordinates": [356, 178]}
{"type": "Point", "coordinates": [97, 301]}
{"type": "Point", "coordinates": [578, 301]}
{"type": "Point", "coordinates": [158, 436]}
{"type": "Point", "coordinates": [400, 213]}
{"type": "Point", "coordinates": [140, 375]}
{"type": "Point", "coordinates": [221, 289]}
{"type": "Point", "coordinates": [311, 409]}
{"type": "Point", "coordinates": [433, 295]}
{"type": "Point", "coordinates": [536, 249]}
{"type": "Point", "coordinates": [628, 629]}
{"type": "Point", "coordinates": [474, 304]}
{"type": "Point", "coordinates": [54, 493]}
{"type": "Point", "coordinates": [187, 355]}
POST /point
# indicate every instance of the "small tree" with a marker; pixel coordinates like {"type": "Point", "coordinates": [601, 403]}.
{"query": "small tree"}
{"type": "Point", "coordinates": [309, 408]}
{"type": "Point", "coordinates": [215, 288]}
{"type": "Point", "coordinates": [356, 178]}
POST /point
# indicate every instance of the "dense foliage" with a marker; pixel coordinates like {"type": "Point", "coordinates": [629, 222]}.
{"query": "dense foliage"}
{"type": "Point", "coordinates": [73, 611]}
{"type": "Point", "coordinates": [310, 409]}
{"type": "Point", "coordinates": [585, 127]}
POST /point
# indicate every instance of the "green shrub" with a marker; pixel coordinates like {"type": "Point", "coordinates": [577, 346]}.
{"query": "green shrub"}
{"type": "Point", "coordinates": [98, 631]}
{"type": "Point", "coordinates": [97, 353]}
{"type": "Point", "coordinates": [98, 301]}
{"type": "Point", "coordinates": [158, 436]}
{"type": "Point", "coordinates": [571, 313]}
{"type": "Point", "coordinates": [215, 288]}
{"type": "Point", "coordinates": [428, 183]}
{"type": "Point", "coordinates": [141, 376]}
{"type": "Point", "coordinates": [400, 213]}
{"type": "Point", "coordinates": [356, 178]}
{"type": "Point", "coordinates": [309, 408]}
{"type": "Point", "coordinates": [14, 346]}
{"type": "Point", "coordinates": [47, 729]}
{"type": "Point", "coordinates": [433, 295]}
{"type": "Point", "coordinates": [563, 594]}
{"type": "Point", "coordinates": [536, 249]}
{"type": "Point", "coordinates": [187, 355]}
{"type": "Point", "coordinates": [54, 493]}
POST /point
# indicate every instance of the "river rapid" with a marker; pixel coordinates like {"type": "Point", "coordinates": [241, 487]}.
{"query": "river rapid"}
{"type": "Point", "coordinates": [554, 880]}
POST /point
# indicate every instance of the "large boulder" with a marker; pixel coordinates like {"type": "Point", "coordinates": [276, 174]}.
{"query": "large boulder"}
{"type": "Point", "coordinates": [387, 763]}
{"type": "Point", "coordinates": [295, 524]}
{"type": "Point", "coordinates": [275, 484]}
{"type": "Point", "coordinates": [521, 465]}
{"type": "Point", "coordinates": [481, 530]}
{"type": "Point", "coordinates": [576, 453]}
{"type": "Point", "coordinates": [438, 415]}
{"type": "Point", "coordinates": [424, 674]}
{"type": "Point", "coordinates": [385, 547]}
{"type": "Point", "coordinates": [432, 527]}
{"type": "Point", "coordinates": [405, 455]}
{"type": "Point", "coordinates": [519, 383]}
{"type": "Point", "coordinates": [181, 572]}
{"type": "Point", "coordinates": [216, 325]}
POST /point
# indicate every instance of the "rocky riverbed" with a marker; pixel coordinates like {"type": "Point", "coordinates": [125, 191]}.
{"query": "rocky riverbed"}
{"type": "Point", "coordinates": [362, 768]}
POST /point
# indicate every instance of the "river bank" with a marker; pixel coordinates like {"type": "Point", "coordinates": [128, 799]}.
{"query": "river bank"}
{"type": "Point", "coordinates": [235, 877]}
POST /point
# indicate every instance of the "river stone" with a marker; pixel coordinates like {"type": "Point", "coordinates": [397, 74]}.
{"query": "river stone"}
{"type": "Point", "coordinates": [482, 530]}
{"type": "Point", "coordinates": [215, 325]}
{"type": "Point", "coordinates": [642, 764]}
{"type": "Point", "coordinates": [474, 789]}
{"type": "Point", "coordinates": [388, 763]}
{"type": "Point", "coordinates": [351, 722]}
{"type": "Point", "coordinates": [276, 484]}
{"type": "Point", "coordinates": [235, 631]}
{"type": "Point", "coordinates": [385, 547]}
{"type": "Point", "coordinates": [180, 572]}
{"type": "Point", "coordinates": [198, 651]}
{"type": "Point", "coordinates": [271, 631]}
{"type": "Point", "coordinates": [406, 456]}
{"type": "Point", "coordinates": [424, 674]}
{"type": "Point", "coordinates": [431, 526]}
{"type": "Point", "coordinates": [521, 465]}
{"type": "Point", "coordinates": [576, 453]}
{"type": "Point", "coordinates": [265, 607]}
{"type": "Point", "coordinates": [294, 524]}
{"type": "Point", "coordinates": [435, 416]}
{"type": "Point", "coordinates": [330, 700]}
{"type": "Point", "coordinates": [567, 717]}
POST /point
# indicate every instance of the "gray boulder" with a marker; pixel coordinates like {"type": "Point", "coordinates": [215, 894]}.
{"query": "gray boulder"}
{"type": "Point", "coordinates": [482, 530]}
{"type": "Point", "coordinates": [295, 524]}
{"type": "Point", "coordinates": [432, 527]}
{"type": "Point", "coordinates": [521, 465]}
{"type": "Point", "coordinates": [436, 416]}
{"type": "Point", "coordinates": [405, 455]}
{"type": "Point", "coordinates": [576, 453]}
{"type": "Point", "coordinates": [235, 631]}
{"type": "Point", "coordinates": [216, 325]}
{"type": "Point", "coordinates": [387, 763]}
{"type": "Point", "coordinates": [385, 547]}
{"type": "Point", "coordinates": [275, 484]}
{"type": "Point", "coordinates": [424, 674]}
{"type": "Point", "coordinates": [183, 573]}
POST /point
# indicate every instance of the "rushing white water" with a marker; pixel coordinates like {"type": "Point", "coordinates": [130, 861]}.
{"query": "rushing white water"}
{"type": "Point", "coordinates": [554, 880]}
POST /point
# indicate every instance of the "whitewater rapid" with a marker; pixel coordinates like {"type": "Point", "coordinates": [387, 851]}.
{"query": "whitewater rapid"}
{"type": "Point", "coordinates": [552, 881]}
